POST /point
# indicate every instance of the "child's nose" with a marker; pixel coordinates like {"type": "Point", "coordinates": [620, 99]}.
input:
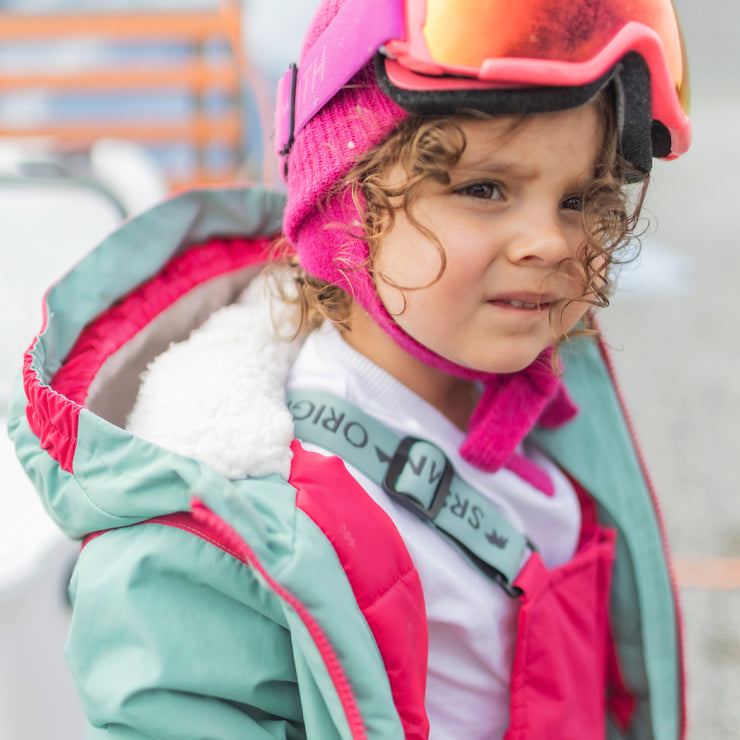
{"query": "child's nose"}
{"type": "Point", "coordinates": [541, 239]}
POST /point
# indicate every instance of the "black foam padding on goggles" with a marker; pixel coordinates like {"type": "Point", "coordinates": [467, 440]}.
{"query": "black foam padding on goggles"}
{"type": "Point", "coordinates": [640, 138]}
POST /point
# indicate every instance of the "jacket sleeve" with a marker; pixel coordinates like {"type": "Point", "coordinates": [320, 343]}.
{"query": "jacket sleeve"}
{"type": "Point", "coordinates": [171, 637]}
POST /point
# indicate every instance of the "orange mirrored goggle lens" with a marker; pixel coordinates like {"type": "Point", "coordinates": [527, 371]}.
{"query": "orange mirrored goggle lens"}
{"type": "Point", "coordinates": [464, 33]}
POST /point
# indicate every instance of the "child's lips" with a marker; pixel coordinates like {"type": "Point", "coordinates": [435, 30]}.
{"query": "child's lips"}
{"type": "Point", "coordinates": [523, 301]}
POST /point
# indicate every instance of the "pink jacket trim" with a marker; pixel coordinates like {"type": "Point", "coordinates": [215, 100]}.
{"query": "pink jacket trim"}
{"type": "Point", "coordinates": [53, 418]}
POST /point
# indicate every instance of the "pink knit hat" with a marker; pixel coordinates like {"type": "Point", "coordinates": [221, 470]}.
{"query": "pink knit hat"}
{"type": "Point", "coordinates": [321, 231]}
{"type": "Point", "coordinates": [323, 234]}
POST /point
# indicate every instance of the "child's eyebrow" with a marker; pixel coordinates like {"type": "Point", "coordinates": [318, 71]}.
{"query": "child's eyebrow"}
{"type": "Point", "coordinates": [491, 165]}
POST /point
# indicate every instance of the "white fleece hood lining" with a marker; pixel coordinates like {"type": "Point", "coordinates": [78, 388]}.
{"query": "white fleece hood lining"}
{"type": "Point", "coordinates": [218, 396]}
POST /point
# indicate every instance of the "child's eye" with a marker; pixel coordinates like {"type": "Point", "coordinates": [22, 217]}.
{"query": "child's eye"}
{"type": "Point", "coordinates": [483, 190]}
{"type": "Point", "coordinates": [573, 203]}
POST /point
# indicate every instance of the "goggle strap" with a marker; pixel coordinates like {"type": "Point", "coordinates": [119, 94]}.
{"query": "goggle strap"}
{"type": "Point", "coordinates": [505, 101]}
{"type": "Point", "coordinates": [333, 60]}
{"type": "Point", "coordinates": [634, 114]}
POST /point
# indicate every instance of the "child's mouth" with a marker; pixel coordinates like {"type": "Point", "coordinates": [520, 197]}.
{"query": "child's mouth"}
{"type": "Point", "coordinates": [524, 303]}
{"type": "Point", "coordinates": [521, 304]}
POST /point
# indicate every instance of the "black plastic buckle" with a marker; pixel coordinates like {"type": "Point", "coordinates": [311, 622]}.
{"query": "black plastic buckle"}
{"type": "Point", "coordinates": [406, 498]}
{"type": "Point", "coordinates": [512, 591]}
{"type": "Point", "coordinates": [291, 133]}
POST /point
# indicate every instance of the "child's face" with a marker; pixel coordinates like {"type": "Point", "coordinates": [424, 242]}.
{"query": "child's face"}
{"type": "Point", "coordinates": [511, 229]}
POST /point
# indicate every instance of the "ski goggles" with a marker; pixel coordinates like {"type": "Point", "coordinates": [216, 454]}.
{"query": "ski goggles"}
{"type": "Point", "coordinates": [440, 55]}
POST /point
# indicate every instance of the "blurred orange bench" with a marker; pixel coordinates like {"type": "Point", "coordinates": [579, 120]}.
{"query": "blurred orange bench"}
{"type": "Point", "coordinates": [194, 74]}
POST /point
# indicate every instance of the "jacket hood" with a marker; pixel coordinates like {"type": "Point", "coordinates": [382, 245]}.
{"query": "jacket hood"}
{"type": "Point", "coordinates": [153, 282]}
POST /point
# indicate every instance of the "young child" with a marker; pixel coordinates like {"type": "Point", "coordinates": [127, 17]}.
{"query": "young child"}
{"type": "Point", "coordinates": [423, 515]}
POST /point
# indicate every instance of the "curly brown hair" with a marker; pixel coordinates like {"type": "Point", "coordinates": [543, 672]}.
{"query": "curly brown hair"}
{"type": "Point", "coordinates": [427, 149]}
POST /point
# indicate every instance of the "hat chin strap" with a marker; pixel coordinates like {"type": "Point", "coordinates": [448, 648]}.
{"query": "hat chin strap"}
{"type": "Point", "coordinates": [510, 407]}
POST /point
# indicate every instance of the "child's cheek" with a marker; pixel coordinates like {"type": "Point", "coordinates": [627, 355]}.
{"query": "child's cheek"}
{"type": "Point", "coordinates": [405, 260]}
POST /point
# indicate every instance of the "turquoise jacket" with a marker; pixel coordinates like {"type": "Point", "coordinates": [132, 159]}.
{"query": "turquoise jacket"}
{"type": "Point", "coordinates": [246, 608]}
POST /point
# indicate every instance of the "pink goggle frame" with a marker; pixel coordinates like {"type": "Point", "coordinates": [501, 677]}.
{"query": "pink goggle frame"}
{"type": "Point", "coordinates": [433, 45]}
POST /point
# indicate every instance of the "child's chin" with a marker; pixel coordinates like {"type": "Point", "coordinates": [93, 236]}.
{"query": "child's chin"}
{"type": "Point", "coordinates": [506, 365]}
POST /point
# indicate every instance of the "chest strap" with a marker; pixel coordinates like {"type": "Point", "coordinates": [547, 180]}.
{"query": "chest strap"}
{"type": "Point", "coordinates": [418, 476]}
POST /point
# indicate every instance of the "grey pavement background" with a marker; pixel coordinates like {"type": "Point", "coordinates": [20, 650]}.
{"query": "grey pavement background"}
{"type": "Point", "coordinates": [674, 331]}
